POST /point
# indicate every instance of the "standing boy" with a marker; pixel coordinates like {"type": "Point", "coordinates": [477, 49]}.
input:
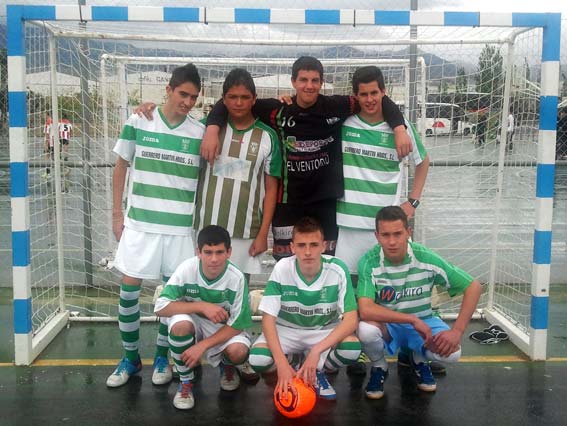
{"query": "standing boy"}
{"type": "Point", "coordinates": [156, 233]}
{"type": "Point", "coordinates": [239, 191]}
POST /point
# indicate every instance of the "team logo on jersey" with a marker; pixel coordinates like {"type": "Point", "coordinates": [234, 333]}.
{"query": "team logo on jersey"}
{"type": "Point", "coordinates": [332, 120]}
{"type": "Point", "coordinates": [289, 143]}
{"type": "Point", "coordinates": [386, 295]}
{"type": "Point", "coordinates": [253, 148]}
{"type": "Point", "coordinates": [386, 139]}
{"type": "Point", "coordinates": [185, 145]}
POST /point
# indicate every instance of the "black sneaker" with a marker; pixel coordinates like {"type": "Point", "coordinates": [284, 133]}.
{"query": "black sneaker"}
{"type": "Point", "coordinates": [359, 367]}
{"type": "Point", "coordinates": [405, 361]}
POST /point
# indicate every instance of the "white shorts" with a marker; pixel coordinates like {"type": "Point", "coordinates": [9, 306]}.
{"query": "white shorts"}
{"type": "Point", "coordinates": [241, 258]}
{"type": "Point", "coordinates": [294, 341]}
{"type": "Point", "coordinates": [146, 255]}
{"type": "Point", "coordinates": [353, 244]}
{"type": "Point", "coordinates": [205, 328]}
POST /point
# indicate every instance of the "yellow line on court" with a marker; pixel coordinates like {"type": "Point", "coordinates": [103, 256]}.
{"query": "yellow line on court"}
{"type": "Point", "coordinates": [112, 362]}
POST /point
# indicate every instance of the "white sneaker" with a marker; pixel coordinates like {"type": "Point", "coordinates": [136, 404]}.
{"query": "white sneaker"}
{"type": "Point", "coordinates": [184, 399]}
{"type": "Point", "coordinates": [247, 373]}
{"type": "Point", "coordinates": [163, 374]}
{"type": "Point", "coordinates": [229, 380]}
{"type": "Point", "coordinates": [123, 371]}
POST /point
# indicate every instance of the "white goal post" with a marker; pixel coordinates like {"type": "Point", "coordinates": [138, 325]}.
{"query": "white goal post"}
{"type": "Point", "coordinates": [60, 226]}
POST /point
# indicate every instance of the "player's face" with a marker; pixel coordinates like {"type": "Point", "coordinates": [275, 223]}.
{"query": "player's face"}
{"type": "Point", "coordinates": [308, 248]}
{"type": "Point", "coordinates": [307, 86]}
{"type": "Point", "coordinates": [181, 99]}
{"type": "Point", "coordinates": [213, 259]}
{"type": "Point", "coordinates": [393, 237]}
{"type": "Point", "coordinates": [239, 102]}
{"type": "Point", "coordinates": [369, 98]}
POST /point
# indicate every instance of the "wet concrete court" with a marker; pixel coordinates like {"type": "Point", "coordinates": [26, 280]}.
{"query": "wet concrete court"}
{"type": "Point", "coordinates": [492, 385]}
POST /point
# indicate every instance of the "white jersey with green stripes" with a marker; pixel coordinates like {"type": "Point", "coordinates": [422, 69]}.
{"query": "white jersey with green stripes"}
{"type": "Point", "coordinates": [314, 305]}
{"type": "Point", "coordinates": [229, 291]}
{"type": "Point", "coordinates": [406, 287]}
{"type": "Point", "coordinates": [372, 170]}
{"type": "Point", "coordinates": [164, 168]}
{"type": "Point", "coordinates": [231, 193]}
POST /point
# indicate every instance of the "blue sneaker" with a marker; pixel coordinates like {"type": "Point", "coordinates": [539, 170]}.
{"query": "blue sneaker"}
{"type": "Point", "coordinates": [425, 380]}
{"type": "Point", "coordinates": [324, 388]}
{"type": "Point", "coordinates": [375, 387]}
{"type": "Point", "coordinates": [123, 371]}
{"type": "Point", "coordinates": [162, 374]}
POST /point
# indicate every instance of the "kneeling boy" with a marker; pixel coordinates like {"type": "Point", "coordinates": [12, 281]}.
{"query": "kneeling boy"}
{"type": "Point", "coordinates": [206, 302]}
{"type": "Point", "coordinates": [302, 304]}
{"type": "Point", "coordinates": [394, 300]}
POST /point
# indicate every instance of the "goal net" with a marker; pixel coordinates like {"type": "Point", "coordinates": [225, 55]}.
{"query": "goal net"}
{"type": "Point", "coordinates": [478, 208]}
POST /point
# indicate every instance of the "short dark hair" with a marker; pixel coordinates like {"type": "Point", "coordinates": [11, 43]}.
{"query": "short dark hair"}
{"type": "Point", "coordinates": [306, 225]}
{"type": "Point", "coordinates": [238, 77]}
{"type": "Point", "coordinates": [186, 74]}
{"type": "Point", "coordinates": [391, 214]}
{"type": "Point", "coordinates": [306, 63]}
{"type": "Point", "coordinates": [212, 235]}
{"type": "Point", "coordinates": [367, 75]}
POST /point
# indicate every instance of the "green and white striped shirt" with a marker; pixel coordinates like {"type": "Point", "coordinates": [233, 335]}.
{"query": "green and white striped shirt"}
{"type": "Point", "coordinates": [232, 192]}
{"type": "Point", "coordinates": [164, 167]}
{"type": "Point", "coordinates": [314, 305]}
{"type": "Point", "coordinates": [407, 287]}
{"type": "Point", "coordinates": [372, 171]}
{"type": "Point", "coordinates": [229, 291]}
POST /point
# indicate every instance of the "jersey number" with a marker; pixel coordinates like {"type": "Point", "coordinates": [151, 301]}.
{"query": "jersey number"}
{"type": "Point", "coordinates": [288, 121]}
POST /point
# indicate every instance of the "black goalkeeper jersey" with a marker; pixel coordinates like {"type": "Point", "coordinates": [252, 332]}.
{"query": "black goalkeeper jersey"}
{"type": "Point", "coordinates": [311, 143]}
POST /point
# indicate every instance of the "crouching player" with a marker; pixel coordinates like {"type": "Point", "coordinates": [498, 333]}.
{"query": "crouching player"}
{"type": "Point", "coordinates": [394, 300]}
{"type": "Point", "coordinates": [302, 304]}
{"type": "Point", "coordinates": [206, 305]}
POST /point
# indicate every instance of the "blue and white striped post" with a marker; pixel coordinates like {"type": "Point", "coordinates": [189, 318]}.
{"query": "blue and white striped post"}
{"type": "Point", "coordinates": [544, 186]}
{"type": "Point", "coordinates": [17, 99]}
{"type": "Point", "coordinates": [550, 23]}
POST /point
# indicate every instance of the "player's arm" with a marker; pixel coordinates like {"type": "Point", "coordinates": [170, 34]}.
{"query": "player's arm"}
{"type": "Point", "coordinates": [194, 354]}
{"type": "Point", "coordinates": [284, 370]}
{"type": "Point", "coordinates": [395, 120]}
{"type": "Point", "coordinates": [213, 312]}
{"type": "Point", "coordinates": [118, 183]}
{"type": "Point", "coordinates": [216, 119]}
{"type": "Point", "coordinates": [420, 177]}
{"type": "Point", "coordinates": [448, 342]}
{"type": "Point", "coordinates": [260, 243]}
{"type": "Point", "coordinates": [370, 311]}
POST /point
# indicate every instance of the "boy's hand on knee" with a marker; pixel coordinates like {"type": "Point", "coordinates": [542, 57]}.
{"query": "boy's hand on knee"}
{"type": "Point", "coordinates": [192, 356]}
{"type": "Point", "coordinates": [446, 342]}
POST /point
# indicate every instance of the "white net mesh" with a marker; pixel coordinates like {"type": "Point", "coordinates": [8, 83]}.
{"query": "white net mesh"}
{"type": "Point", "coordinates": [469, 215]}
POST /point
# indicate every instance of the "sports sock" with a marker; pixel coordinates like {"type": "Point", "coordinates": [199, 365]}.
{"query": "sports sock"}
{"type": "Point", "coordinates": [162, 343]}
{"type": "Point", "coordinates": [129, 319]}
{"type": "Point", "coordinates": [178, 345]}
{"type": "Point", "coordinates": [345, 353]}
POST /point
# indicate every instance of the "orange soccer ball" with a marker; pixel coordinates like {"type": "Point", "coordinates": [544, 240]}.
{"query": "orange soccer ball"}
{"type": "Point", "coordinates": [298, 401]}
